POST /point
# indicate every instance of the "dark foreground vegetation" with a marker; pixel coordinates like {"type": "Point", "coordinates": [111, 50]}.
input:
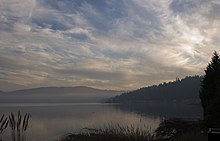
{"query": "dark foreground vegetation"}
{"type": "Point", "coordinates": [168, 130]}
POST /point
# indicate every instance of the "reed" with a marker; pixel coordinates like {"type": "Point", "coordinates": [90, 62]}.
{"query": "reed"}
{"type": "Point", "coordinates": [18, 126]}
{"type": "Point", "coordinates": [3, 124]}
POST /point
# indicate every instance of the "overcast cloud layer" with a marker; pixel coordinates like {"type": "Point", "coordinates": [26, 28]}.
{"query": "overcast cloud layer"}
{"type": "Point", "coordinates": [110, 44]}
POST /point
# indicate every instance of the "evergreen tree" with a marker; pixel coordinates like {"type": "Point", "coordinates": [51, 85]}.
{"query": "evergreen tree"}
{"type": "Point", "coordinates": [210, 92]}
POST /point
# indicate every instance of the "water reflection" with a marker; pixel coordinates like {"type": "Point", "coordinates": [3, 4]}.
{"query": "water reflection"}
{"type": "Point", "coordinates": [165, 110]}
{"type": "Point", "coordinates": [50, 121]}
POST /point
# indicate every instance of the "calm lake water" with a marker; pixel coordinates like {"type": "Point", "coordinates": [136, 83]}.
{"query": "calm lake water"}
{"type": "Point", "coordinates": [50, 121]}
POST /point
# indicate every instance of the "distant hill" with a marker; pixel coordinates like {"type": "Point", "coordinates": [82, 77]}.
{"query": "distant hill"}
{"type": "Point", "coordinates": [57, 94]}
{"type": "Point", "coordinates": [185, 90]}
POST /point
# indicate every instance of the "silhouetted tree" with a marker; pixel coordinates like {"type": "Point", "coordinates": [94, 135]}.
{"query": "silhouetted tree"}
{"type": "Point", "coordinates": [210, 92]}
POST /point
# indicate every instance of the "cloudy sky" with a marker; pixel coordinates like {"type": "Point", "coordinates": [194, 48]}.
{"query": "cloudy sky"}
{"type": "Point", "coordinates": [110, 44]}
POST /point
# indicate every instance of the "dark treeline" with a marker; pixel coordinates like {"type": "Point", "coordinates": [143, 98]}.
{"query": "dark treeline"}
{"type": "Point", "coordinates": [185, 90]}
{"type": "Point", "coordinates": [210, 93]}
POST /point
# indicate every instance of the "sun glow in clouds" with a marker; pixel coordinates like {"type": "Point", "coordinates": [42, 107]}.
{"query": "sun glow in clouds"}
{"type": "Point", "coordinates": [188, 49]}
{"type": "Point", "coordinates": [194, 37]}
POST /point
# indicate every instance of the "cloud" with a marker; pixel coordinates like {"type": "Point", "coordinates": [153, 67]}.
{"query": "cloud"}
{"type": "Point", "coordinates": [111, 44]}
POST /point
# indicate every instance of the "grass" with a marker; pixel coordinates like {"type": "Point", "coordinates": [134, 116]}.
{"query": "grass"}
{"type": "Point", "coordinates": [111, 132]}
{"type": "Point", "coordinates": [169, 130]}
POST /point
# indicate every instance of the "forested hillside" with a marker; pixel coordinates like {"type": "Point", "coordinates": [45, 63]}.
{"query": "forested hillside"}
{"type": "Point", "coordinates": [184, 90]}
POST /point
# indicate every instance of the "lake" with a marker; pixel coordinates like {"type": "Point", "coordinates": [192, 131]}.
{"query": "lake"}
{"type": "Point", "coordinates": [49, 121]}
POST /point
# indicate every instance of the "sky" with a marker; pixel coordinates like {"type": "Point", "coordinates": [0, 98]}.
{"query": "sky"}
{"type": "Point", "coordinates": [108, 44]}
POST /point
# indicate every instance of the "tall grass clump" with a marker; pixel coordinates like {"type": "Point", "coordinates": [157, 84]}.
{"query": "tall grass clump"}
{"type": "Point", "coordinates": [3, 125]}
{"type": "Point", "coordinates": [130, 132]}
{"type": "Point", "coordinates": [112, 132]}
{"type": "Point", "coordinates": [18, 126]}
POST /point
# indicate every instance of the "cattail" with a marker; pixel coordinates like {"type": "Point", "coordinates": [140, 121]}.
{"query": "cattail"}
{"type": "Point", "coordinates": [13, 122]}
{"type": "Point", "coordinates": [3, 123]}
{"type": "Point", "coordinates": [2, 118]}
{"type": "Point", "coordinates": [19, 121]}
{"type": "Point", "coordinates": [26, 123]}
{"type": "Point", "coordinates": [6, 125]}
